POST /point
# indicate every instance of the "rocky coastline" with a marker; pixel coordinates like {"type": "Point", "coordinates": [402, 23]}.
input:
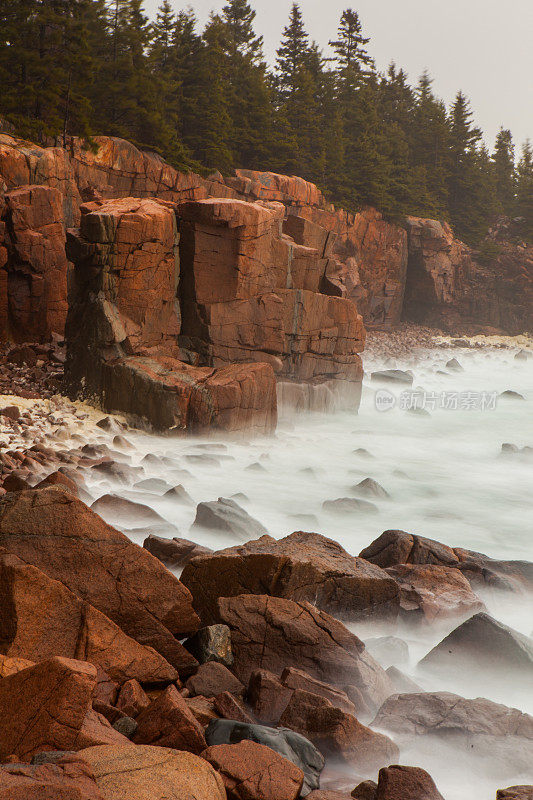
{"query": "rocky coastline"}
{"type": "Point", "coordinates": [139, 663]}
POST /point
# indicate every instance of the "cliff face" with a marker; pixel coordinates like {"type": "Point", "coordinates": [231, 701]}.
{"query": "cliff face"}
{"type": "Point", "coordinates": [448, 286]}
{"type": "Point", "coordinates": [213, 272]}
{"type": "Point", "coordinates": [124, 321]}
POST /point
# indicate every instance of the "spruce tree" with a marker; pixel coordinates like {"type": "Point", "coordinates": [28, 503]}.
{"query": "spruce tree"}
{"type": "Point", "coordinates": [248, 90]}
{"type": "Point", "coordinates": [350, 48]}
{"type": "Point", "coordinates": [524, 191]}
{"type": "Point", "coordinates": [503, 160]}
{"type": "Point", "coordinates": [472, 200]}
{"type": "Point", "coordinates": [208, 123]}
{"type": "Point", "coordinates": [429, 142]}
{"type": "Point", "coordinates": [292, 55]}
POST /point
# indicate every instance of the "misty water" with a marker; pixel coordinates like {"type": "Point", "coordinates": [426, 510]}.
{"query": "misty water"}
{"type": "Point", "coordinates": [446, 478]}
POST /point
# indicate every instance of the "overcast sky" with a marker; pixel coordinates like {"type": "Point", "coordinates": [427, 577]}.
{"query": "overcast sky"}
{"type": "Point", "coordinates": [483, 47]}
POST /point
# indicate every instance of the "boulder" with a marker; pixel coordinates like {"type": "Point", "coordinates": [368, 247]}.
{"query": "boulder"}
{"type": "Point", "coordinates": [401, 682]}
{"type": "Point", "coordinates": [335, 733]}
{"type": "Point", "coordinates": [227, 516]}
{"type": "Point", "coordinates": [273, 633]}
{"type": "Point", "coordinates": [67, 779]}
{"type": "Point", "coordinates": [288, 744]}
{"type": "Point", "coordinates": [267, 696]}
{"type": "Point", "coordinates": [252, 771]}
{"type": "Point", "coordinates": [66, 540]}
{"type": "Point", "coordinates": [212, 678]}
{"type": "Point", "coordinates": [136, 772]}
{"type": "Point", "coordinates": [228, 707]}
{"type": "Point", "coordinates": [486, 646]}
{"type": "Point", "coordinates": [293, 678]}
{"type": "Point", "coordinates": [349, 505]}
{"type": "Point", "coordinates": [69, 627]}
{"type": "Point", "coordinates": [173, 552]}
{"type": "Point", "coordinates": [406, 783]}
{"type": "Point", "coordinates": [212, 643]}
{"type": "Point", "coordinates": [365, 791]}
{"type": "Point", "coordinates": [398, 547]}
{"type": "Point", "coordinates": [433, 592]}
{"type": "Point", "coordinates": [485, 729]}
{"type": "Point", "coordinates": [48, 706]}
{"type": "Point", "coordinates": [169, 394]}
{"type": "Point", "coordinates": [58, 479]}
{"type": "Point", "coordinates": [202, 708]}
{"type": "Point", "coordinates": [392, 376]}
{"type": "Point", "coordinates": [370, 488]}
{"type": "Point", "coordinates": [168, 722]}
{"type": "Point", "coordinates": [132, 699]}
{"type": "Point", "coordinates": [302, 566]}
{"type": "Point", "coordinates": [120, 511]}
{"type": "Point", "coordinates": [515, 793]}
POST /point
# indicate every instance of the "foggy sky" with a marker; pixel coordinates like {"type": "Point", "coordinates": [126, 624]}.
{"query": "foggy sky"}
{"type": "Point", "coordinates": [482, 47]}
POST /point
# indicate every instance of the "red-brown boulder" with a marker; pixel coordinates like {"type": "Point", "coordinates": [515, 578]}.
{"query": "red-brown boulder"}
{"type": "Point", "coordinates": [400, 783]}
{"type": "Point", "coordinates": [251, 771]}
{"type": "Point", "coordinates": [434, 592]}
{"type": "Point", "coordinates": [212, 678]}
{"type": "Point", "coordinates": [66, 779]}
{"type": "Point", "coordinates": [515, 793]}
{"type": "Point", "coordinates": [398, 547]}
{"type": "Point", "coordinates": [228, 707]}
{"type": "Point", "coordinates": [48, 707]}
{"type": "Point", "coordinates": [168, 722]}
{"type": "Point", "coordinates": [66, 626]}
{"type": "Point", "coordinates": [294, 678]}
{"type": "Point", "coordinates": [300, 567]}
{"type": "Point", "coordinates": [336, 733]}
{"type": "Point", "coordinates": [132, 699]}
{"type": "Point", "coordinates": [139, 772]}
{"type": "Point", "coordinates": [61, 536]}
{"type": "Point", "coordinates": [274, 633]}
{"type": "Point", "coordinates": [488, 730]}
{"type": "Point", "coordinates": [267, 696]}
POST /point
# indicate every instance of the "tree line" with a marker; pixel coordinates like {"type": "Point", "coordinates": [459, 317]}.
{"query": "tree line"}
{"type": "Point", "coordinates": [206, 99]}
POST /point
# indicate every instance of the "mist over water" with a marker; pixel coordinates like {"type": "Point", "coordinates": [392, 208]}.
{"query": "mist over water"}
{"type": "Point", "coordinates": [446, 478]}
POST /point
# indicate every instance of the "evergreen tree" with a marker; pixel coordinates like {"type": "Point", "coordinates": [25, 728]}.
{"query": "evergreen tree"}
{"type": "Point", "coordinates": [239, 18]}
{"type": "Point", "coordinates": [209, 129]}
{"type": "Point", "coordinates": [292, 55]}
{"type": "Point", "coordinates": [429, 141]}
{"type": "Point", "coordinates": [350, 48]}
{"type": "Point", "coordinates": [524, 190]}
{"type": "Point", "coordinates": [503, 160]}
{"type": "Point", "coordinates": [471, 191]}
{"type": "Point", "coordinates": [248, 90]}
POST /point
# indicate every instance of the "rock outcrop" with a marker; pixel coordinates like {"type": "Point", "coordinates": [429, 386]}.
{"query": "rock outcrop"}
{"type": "Point", "coordinates": [123, 324]}
{"type": "Point", "coordinates": [33, 264]}
{"type": "Point", "coordinates": [451, 285]}
{"type": "Point", "coordinates": [250, 293]}
{"type": "Point", "coordinates": [360, 257]}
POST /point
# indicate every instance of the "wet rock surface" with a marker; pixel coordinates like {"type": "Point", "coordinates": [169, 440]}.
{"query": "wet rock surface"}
{"type": "Point", "coordinates": [288, 744]}
{"type": "Point", "coordinates": [302, 566]}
